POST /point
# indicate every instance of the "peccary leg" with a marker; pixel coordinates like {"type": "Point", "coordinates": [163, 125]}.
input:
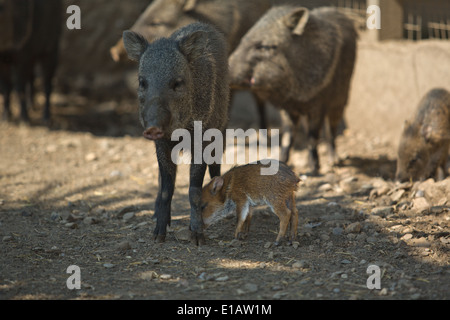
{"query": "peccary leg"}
{"type": "Point", "coordinates": [315, 124]}
{"type": "Point", "coordinates": [335, 124]}
{"type": "Point", "coordinates": [214, 170]}
{"type": "Point", "coordinates": [6, 87]}
{"type": "Point", "coordinates": [23, 77]}
{"type": "Point", "coordinates": [49, 68]}
{"type": "Point", "coordinates": [290, 124]}
{"type": "Point", "coordinates": [197, 174]}
{"type": "Point", "coordinates": [260, 105]}
{"type": "Point", "coordinates": [441, 168]}
{"type": "Point", "coordinates": [167, 173]}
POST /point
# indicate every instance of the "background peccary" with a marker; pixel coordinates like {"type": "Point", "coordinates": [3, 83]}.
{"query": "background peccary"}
{"type": "Point", "coordinates": [244, 187]}
{"type": "Point", "coordinates": [424, 144]}
{"type": "Point", "coordinates": [301, 61]}
{"type": "Point", "coordinates": [232, 17]}
{"type": "Point", "coordinates": [30, 36]}
{"type": "Point", "coordinates": [182, 79]}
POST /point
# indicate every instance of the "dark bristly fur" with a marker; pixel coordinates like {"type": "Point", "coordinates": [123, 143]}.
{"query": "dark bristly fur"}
{"type": "Point", "coordinates": [182, 79]}
{"type": "Point", "coordinates": [424, 144]}
{"type": "Point", "coordinates": [35, 26]}
{"type": "Point", "coordinates": [301, 61]}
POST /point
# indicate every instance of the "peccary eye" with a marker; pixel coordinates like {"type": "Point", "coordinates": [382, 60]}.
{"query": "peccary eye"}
{"type": "Point", "coordinates": [412, 162]}
{"type": "Point", "coordinates": [176, 84]}
{"type": "Point", "coordinates": [260, 46]}
{"type": "Point", "coordinates": [155, 23]}
{"type": "Point", "coordinates": [142, 83]}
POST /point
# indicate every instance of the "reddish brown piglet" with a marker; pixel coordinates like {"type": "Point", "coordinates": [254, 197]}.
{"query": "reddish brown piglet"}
{"type": "Point", "coordinates": [245, 187]}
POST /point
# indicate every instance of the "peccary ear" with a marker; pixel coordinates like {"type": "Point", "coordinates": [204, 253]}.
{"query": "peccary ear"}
{"type": "Point", "coordinates": [216, 185]}
{"type": "Point", "coordinates": [427, 133]}
{"type": "Point", "coordinates": [191, 45]}
{"type": "Point", "coordinates": [297, 20]}
{"type": "Point", "coordinates": [189, 5]}
{"type": "Point", "coordinates": [134, 44]}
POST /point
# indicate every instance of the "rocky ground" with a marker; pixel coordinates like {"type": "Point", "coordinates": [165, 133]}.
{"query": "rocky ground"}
{"type": "Point", "coordinates": [82, 193]}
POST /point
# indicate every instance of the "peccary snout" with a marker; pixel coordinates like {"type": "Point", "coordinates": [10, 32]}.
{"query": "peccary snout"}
{"type": "Point", "coordinates": [153, 133]}
{"type": "Point", "coordinates": [154, 118]}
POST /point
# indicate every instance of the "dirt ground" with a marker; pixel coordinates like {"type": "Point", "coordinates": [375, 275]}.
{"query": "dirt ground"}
{"type": "Point", "coordinates": [82, 193]}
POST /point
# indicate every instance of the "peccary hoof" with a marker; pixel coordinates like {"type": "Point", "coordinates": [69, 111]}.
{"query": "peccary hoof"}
{"type": "Point", "coordinates": [197, 238]}
{"type": "Point", "coordinates": [160, 238]}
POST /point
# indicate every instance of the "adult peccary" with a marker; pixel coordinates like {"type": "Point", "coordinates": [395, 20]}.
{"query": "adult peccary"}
{"type": "Point", "coordinates": [30, 36]}
{"type": "Point", "coordinates": [232, 17]}
{"type": "Point", "coordinates": [424, 144]}
{"type": "Point", "coordinates": [301, 61]}
{"type": "Point", "coordinates": [182, 79]}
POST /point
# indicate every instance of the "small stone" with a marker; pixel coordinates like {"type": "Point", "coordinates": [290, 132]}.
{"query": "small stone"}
{"type": "Point", "coordinates": [71, 225]}
{"type": "Point", "coordinates": [279, 295]}
{"type": "Point", "coordinates": [371, 239]}
{"type": "Point", "coordinates": [123, 246]}
{"type": "Point", "coordinates": [421, 242]}
{"type": "Point", "coordinates": [115, 173]}
{"type": "Point", "coordinates": [90, 220]}
{"type": "Point", "coordinates": [108, 265]}
{"type": "Point", "coordinates": [165, 277]}
{"type": "Point", "coordinates": [382, 211]}
{"type": "Point", "coordinates": [337, 231]}
{"type": "Point", "coordinates": [407, 236]}
{"type": "Point", "coordinates": [235, 243]}
{"type": "Point", "coordinates": [7, 238]}
{"type": "Point", "coordinates": [251, 287]}
{"type": "Point", "coordinates": [222, 279]}
{"type": "Point", "coordinates": [345, 261]}
{"type": "Point", "coordinates": [420, 204]}
{"type": "Point", "coordinates": [325, 187]}
{"type": "Point", "coordinates": [55, 216]}
{"type": "Point", "coordinates": [90, 157]}
{"type": "Point", "coordinates": [300, 264]}
{"type": "Point", "coordinates": [324, 237]}
{"type": "Point", "coordinates": [148, 275]}
{"type": "Point", "coordinates": [125, 210]}
{"type": "Point", "coordinates": [397, 195]}
{"type": "Point", "coordinates": [353, 228]}
{"type": "Point", "coordinates": [183, 234]}
{"type": "Point", "coordinates": [383, 292]}
{"type": "Point", "coordinates": [128, 216]}
{"type": "Point", "coordinates": [267, 245]}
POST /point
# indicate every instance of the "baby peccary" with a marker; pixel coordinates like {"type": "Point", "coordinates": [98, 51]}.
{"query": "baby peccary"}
{"type": "Point", "coordinates": [244, 187]}
{"type": "Point", "coordinates": [301, 61]}
{"type": "Point", "coordinates": [424, 144]}
{"type": "Point", "coordinates": [182, 79]}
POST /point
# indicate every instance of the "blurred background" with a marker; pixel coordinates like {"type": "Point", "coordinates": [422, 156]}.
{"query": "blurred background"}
{"type": "Point", "coordinates": [396, 65]}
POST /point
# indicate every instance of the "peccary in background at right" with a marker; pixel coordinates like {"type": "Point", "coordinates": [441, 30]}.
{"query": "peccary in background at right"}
{"type": "Point", "coordinates": [424, 144]}
{"type": "Point", "coordinates": [301, 61]}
